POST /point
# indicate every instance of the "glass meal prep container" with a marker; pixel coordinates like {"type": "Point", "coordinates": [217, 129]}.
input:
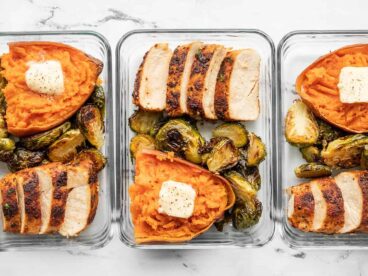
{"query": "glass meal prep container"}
{"type": "Point", "coordinates": [295, 52]}
{"type": "Point", "coordinates": [99, 232]}
{"type": "Point", "coordinates": [129, 54]}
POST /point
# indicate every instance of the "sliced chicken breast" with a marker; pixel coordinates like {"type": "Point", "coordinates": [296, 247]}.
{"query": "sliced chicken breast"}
{"type": "Point", "coordinates": [10, 211]}
{"type": "Point", "coordinates": [202, 82]}
{"type": "Point", "coordinates": [151, 79]}
{"type": "Point", "coordinates": [179, 73]}
{"type": "Point", "coordinates": [79, 173]}
{"type": "Point", "coordinates": [363, 184]}
{"type": "Point", "coordinates": [237, 88]}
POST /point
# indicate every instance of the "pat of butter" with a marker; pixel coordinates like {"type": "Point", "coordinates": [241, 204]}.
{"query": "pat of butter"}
{"type": "Point", "coordinates": [45, 77]}
{"type": "Point", "coordinates": [353, 85]}
{"type": "Point", "coordinates": [176, 199]}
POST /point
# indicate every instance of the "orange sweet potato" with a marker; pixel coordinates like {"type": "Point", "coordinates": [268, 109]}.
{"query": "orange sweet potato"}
{"type": "Point", "coordinates": [214, 196]}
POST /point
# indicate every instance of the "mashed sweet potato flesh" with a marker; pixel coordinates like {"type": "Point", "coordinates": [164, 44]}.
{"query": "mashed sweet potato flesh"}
{"type": "Point", "coordinates": [317, 86]}
{"type": "Point", "coordinates": [29, 112]}
{"type": "Point", "coordinates": [213, 196]}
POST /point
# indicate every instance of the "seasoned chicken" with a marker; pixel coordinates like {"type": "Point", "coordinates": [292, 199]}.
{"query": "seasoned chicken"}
{"type": "Point", "coordinates": [202, 82]}
{"type": "Point", "coordinates": [179, 73]}
{"type": "Point", "coordinates": [10, 210]}
{"type": "Point", "coordinates": [237, 96]}
{"type": "Point", "coordinates": [151, 79]}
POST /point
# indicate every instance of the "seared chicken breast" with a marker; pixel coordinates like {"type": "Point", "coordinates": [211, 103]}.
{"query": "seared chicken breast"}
{"type": "Point", "coordinates": [237, 88]}
{"type": "Point", "coordinates": [151, 79]}
{"type": "Point", "coordinates": [10, 210]}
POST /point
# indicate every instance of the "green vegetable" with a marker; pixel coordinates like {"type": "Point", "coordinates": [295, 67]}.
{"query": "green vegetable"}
{"type": "Point", "coordinates": [234, 131]}
{"type": "Point", "coordinates": [91, 124]}
{"type": "Point", "coordinates": [223, 221]}
{"type": "Point", "coordinates": [246, 213]}
{"type": "Point", "coordinates": [327, 133]}
{"type": "Point", "coordinates": [311, 154]}
{"type": "Point", "coordinates": [95, 156]}
{"type": "Point", "coordinates": [143, 121]}
{"type": "Point", "coordinates": [243, 190]}
{"type": "Point", "coordinates": [256, 151]}
{"type": "Point", "coordinates": [224, 155]}
{"type": "Point", "coordinates": [364, 159]}
{"type": "Point", "coordinates": [3, 129]}
{"type": "Point", "coordinates": [98, 99]}
{"type": "Point", "coordinates": [140, 142]}
{"type": "Point", "coordinates": [23, 158]}
{"type": "Point", "coordinates": [312, 170]}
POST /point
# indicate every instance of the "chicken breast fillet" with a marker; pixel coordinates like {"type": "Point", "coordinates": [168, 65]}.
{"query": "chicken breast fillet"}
{"type": "Point", "coordinates": [10, 211]}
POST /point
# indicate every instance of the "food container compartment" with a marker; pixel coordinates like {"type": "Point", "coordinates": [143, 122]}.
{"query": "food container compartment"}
{"type": "Point", "coordinates": [296, 51]}
{"type": "Point", "coordinates": [129, 54]}
{"type": "Point", "coordinates": [100, 231]}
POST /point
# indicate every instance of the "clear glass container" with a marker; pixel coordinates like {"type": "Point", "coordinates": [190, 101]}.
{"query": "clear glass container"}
{"type": "Point", "coordinates": [129, 54]}
{"type": "Point", "coordinates": [296, 51]}
{"type": "Point", "coordinates": [100, 231]}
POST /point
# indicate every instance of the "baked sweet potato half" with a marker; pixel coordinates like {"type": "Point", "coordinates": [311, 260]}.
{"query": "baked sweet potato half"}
{"type": "Point", "coordinates": [29, 112]}
{"type": "Point", "coordinates": [214, 196]}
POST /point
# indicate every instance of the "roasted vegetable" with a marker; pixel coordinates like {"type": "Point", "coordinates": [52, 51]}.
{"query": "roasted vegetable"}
{"type": "Point", "coordinates": [251, 174]}
{"type": "Point", "coordinates": [327, 133]}
{"type": "Point", "coordinates": [256, 151]}
{"type": "Point", "coordinates": [246, 213]}
{"type": "Point", "coordinates": [364, 159]}
{"type": "Point", "coordinates": [234, 131]}
{"type": "Point", "coordinates": [98, 99]}
{"type": "Point", "coordinates": [344, 152]}
{"type": "Point", "coordinates": [181, 137]}
{"type": "Point", "coordinates": [311, 154]}
{"type": "Point", "coordinates": [44, 139]}
{"type": "Point", "coordinates": [95, 156]}
{"type": "Point", "coordinates": [143, 121]}
{"type": "Point", "coordinates": [3, 83]}
{"type": "Point", "coordinates": [312, 170]}
{"type": "Point", "coordinates": [140, 142]}
{"type": "Point", "coordinates": [66, 147]}
{"type": "Point", "coordinates": [242, 188]}
{"type": "Point", "coordinates": [91, 124]}
{"type": "Point", "coordinates": [156, 127]}
{"type": "Point", "coordinates": [7, 146]}
{"type": "Point", "coordinates": [223, 221]}
{"type": "Point", "coordinates": [223, 155]}
{"type": "Point", "coordinates": [23, 158]}
{"type": "Point", "coordinates": [3, 130]}
{"type": "Point", "coordinates": [301, 128]}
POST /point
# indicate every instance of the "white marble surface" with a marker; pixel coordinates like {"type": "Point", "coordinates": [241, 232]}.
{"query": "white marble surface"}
{"type": "Point", "coordinates": [113, 19]}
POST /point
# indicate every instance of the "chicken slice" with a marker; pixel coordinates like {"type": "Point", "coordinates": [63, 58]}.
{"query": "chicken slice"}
{"type": "Point", "coordinates": [9, 210]}
{"type": "Point", "coordinates": [179, 73]}
{"type": "Point", "coordinates": [151, 79]}
{"type": "Point", "coordinates": [237, 88]}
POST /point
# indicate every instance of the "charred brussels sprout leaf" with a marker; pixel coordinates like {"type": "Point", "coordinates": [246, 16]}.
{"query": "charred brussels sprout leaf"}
{"type": "Point", "coordinates": [98, 99]}
{"type": "Point", "coordinates": [327, 133]}
{"type": "Point", "coordinates": [66, 147]}
{"type": "Point", "coordinates": [44, 139]}
{"type": "Point", "coordinates": [143, 121]}
{"type": "Point", "coordinates": [256, 151]}
{"type": "Point", "coordinates": [99, 161]}
{"type": "Point", "coordinates": [223, 155]}
{"type": "Point", "coordinates": [312, 170]}
{"type": "Point", "coordinates": [301, 128]}
{"type": "Point", "coordinates": [3, 83]}
{"type": "Point", "coordinates": [344, 152]}
{"type": "Point", "coordinates": [364, 159]}
{"type": "Point", "coordinates": [182, 138]}
{"type": "Point", "coordinates": [141, 142]}
{"type": "Point", "coordinates": [246, 214]}
{"type": "Point", "coordinates": [242, 188]}
{"type": "Point", "coordinates": [91, 124]}
{"type": "Point", "coordinates": [22, 159]}
{"type": "Point", "coordinates": [234, 131]}
{"type": "Point", "coordinates": [311, 154]}
{"type": "Point", "coordinates": [3, 129]}
{"type": "Point", "coordinates": [253, 177]}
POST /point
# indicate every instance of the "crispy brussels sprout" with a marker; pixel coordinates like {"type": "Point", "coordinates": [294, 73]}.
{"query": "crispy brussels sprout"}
{"type": "Point", "coordinates": [98, 99]}
{"type": "Point", "coordinates": [7, 146]}
{"type": "Point", "coordinates": [243, 190]}
{"type": "Point", "coordinates": [182, 138]}
{"type": "Point", "coordinates": [224, 220]}
{"type": "Point", "coordinates": [44, 139]}
{"type": "Point", "coordinates": [3, 83]}
{"type": "Point", "coordinates": [91, 124]}
{"type": "Point", "coordinates": [223, 155]}
{"type": "Point", "coordinates": [23, 158]}
{"type": "Point", "coordinates": [364, 159]}
{"type": "Point", "coordinates": [344, 152]}
{"type": "Point", "coordinates": [251, 174]}
{"type": "Point", "coordinates": [3, 129]}
{"type": "Point", "coordinates": [66, 147]}
{"type": "Point", "coordinates": [311, 154]}
{"type": "Point", "coordinates": [312, 170]}
{"type": "Point", "coordinates": [327, 133]}
{"type": "Point", "coordinates": [246, 213]}
{"type": "Point", "coordinates": [143, 121]}
{"type": "Point", "coordinates": [140, 142]}
{"type": "Point", "coordinates": [234, 131]}
{"type": "Point", "coordinates": [256, 151]}
{"type": "Point", "coordinates": [95, 156]}
{"type": "Point", "coordinates": [301, 128]}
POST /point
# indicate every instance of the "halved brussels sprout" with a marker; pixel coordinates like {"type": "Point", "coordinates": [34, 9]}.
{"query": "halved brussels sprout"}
{"type": "Point", "coordinates": [364, 159]}
{"type": "Point", "coordinates": [246, 213]}
{"type": "Point", "coordinates": [251, 174]}
{"type": "Point", "coordinates": [140, 142]}
{"type": "Point", "coordinates": [44, 139]}
{"type": "Point", "coordinates": [143, 121]}
{"type": "Point", "coordinates": [223, 155]}
{"type": "Point", "coordinates": [234, 131]}
{"type": "Point", "coordinates": [311, 154]}
{"type": "Point", "coordinates": [98, 99]}
{"type": "Point", "coordinates": [312, 170]}
{"type": "Point", "coordinates": [327, 133]}
{"type": "Point", "coordinates": [91, 124]}
{"type": "Point", "coordinates": [3, 129]}
{"type": "Point", "coordinates": [99, 161]}
{"type": "Point", "coordinates": [7, 146]}
{"type": "Point", "coordinates": [344, 152]}
{"type": "Point", "coordinates": [23, 158]}
{"type": "Point", "coordinates": [243, 190]}
{"type": "Point", "coordinates": [301, 128]}
{"type": "Point", "coordinates": [256, 151]}
{"type": "Point", "coordinates": [223, 221]}
{"type": "Point", "coordinates": [182, 138]}
{"type": "Point", "coordinates": [66, 147]}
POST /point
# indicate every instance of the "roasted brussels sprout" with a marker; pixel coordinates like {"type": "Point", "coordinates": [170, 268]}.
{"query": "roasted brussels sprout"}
{"type": "Point", "coordinates": [344, 152]}
{"type": "Point", "coordinates": [251, 174]}
{"type": "Point", "coordinates": [311, 154]}
{"type": "Point", "coordinates": [312, 170]}
{"type": "Point", "coordinates": [327, 133]}
{"type": "Point", "coordinates": [3, 129]}
{"type": "Point", "coordinates": [256, 151]}
{"type": "Point", "coordinates": [140, 142]}
{"type": "Point", "coordinates": [143, 121]}
{"type": "Point", "coordinates": [91, 124]}
{"type": "Point", "coordinates": [23, 158]}
{"type": "Point", "coordinates": [95, 156]}
{"type": "Point", "coordinates": [364, 159]}
{"type": "Point", "coordinates": [156, 127]}
{"type": "Point", "coordinates": [3, 83]}
{"type": "Point", "coordinates": [246, 213]}
{"type": "Point", "coordinates": [234, 131]}
{"type": "Point", "coordinates": [223, 155]}
{"type": "Point", "coordinates": [98, 99]}
{"type": "Point", "coordinates": [224, 220]}
{"type": "Point", "coordinates": [7, 146]}
{"type": "Point", "coordinates": [44, 139]}
{"type": "Point", "coordinates": [301, 128]}
{"type": "Point", "coordinates": [243, 190]}
{"type": "Point", "coordinates": [66, 147]}
{"type": "Point", "coordinates": [182, 138]}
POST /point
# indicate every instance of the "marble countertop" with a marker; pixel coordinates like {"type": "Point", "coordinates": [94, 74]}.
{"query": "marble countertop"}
{"type": "Point", "coordinates": [113, 18]}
